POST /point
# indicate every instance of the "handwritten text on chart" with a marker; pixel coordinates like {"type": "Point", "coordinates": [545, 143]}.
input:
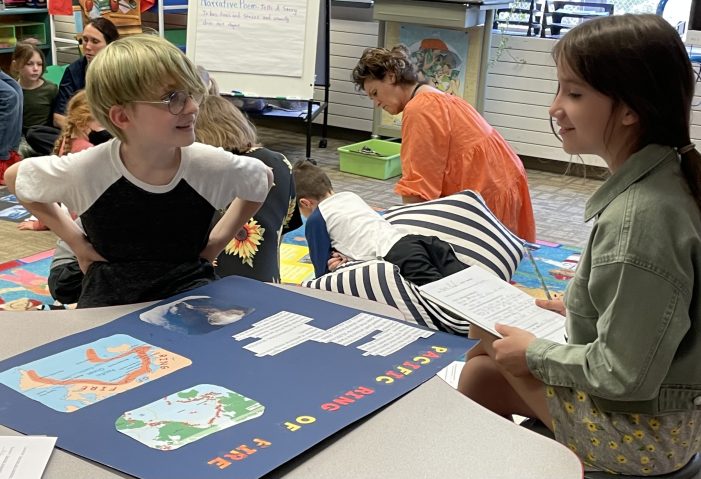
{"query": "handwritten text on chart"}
{"type": "Point", "coordinates": [279, 27]}
{"type": "Point", "coordinates": [229, 14]}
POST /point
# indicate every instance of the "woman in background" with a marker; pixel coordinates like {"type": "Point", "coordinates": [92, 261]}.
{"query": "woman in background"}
{"type": "Point", "coordinates": [447, 146]}
{"type": "Point", "coordinates": [97, 34]}
{"type": "Point", "coordinates": [255, 251]}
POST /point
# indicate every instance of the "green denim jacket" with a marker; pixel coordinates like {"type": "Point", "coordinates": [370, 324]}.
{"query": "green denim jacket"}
{"type": "Point", "coordinates": [634, 305]}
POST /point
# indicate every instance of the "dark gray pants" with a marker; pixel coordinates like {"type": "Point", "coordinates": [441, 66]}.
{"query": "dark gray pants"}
{"type": "Point", "coordinates": [424, 259]}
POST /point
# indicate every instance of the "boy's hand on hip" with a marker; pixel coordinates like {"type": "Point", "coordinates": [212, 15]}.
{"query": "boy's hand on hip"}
{"type": "Point", "coordinates": [87, 255]}
{"type": "Point", "coordinates": [209, 253]}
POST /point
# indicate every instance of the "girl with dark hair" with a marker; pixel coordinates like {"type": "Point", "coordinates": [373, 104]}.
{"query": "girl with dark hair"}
{"type": "Point", "coordinates": [624, 392]}
{"type": "Point", "coordinates": [447, 146]}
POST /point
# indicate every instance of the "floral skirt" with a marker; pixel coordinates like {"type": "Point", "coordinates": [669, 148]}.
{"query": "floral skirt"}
{"type": "Point", "coordinates": [634, 444]}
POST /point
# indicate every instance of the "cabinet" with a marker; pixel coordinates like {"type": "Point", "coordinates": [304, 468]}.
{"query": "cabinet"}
{"type": "Point", "coordinates": [17, 24]}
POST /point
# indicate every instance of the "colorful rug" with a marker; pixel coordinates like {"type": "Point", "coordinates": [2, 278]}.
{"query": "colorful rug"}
{"type": "Point", "coordinates": [547, 270]}
{"type": "Point", "coordinates": [295, 265]}
{"type": "Point", "coordinates": [549, 266]}
{"type": "Point", "coordinates": [23, 283]}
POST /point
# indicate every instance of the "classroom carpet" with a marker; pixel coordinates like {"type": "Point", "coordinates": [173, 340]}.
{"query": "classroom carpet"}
{"type": "Point", "coordinates": [544, 272]}
{"type": "Point", "coordinates": [23, 282]}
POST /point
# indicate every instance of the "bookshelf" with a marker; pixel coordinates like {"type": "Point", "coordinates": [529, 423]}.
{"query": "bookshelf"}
{"type": "Point", "coordinates": [17, 24]}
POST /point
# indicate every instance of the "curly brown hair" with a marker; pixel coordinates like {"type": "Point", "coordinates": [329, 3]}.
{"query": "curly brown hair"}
{"type": "Point", "coordinates": [376, 63]}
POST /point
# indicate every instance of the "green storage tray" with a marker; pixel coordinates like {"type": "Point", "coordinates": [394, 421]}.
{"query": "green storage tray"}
{"type": "Point", "coordinates": [384, 163]}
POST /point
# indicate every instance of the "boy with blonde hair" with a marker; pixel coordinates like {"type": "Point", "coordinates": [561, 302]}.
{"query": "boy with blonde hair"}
{"type": "Point", "coordinates": [147, 197]}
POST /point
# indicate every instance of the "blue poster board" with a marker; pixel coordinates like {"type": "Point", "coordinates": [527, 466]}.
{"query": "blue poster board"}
{"type": "Point", "coordinates": [229, 380]}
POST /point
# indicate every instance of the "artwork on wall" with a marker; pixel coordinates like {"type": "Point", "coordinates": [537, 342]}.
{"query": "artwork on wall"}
{"type": "Point", "coordinates": [125, 14]}
{"type": "Point", "coordinates": [440, 54]}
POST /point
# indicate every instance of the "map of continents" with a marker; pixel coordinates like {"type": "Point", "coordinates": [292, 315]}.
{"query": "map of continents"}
{"type": "Point", "coordinates": [86, 374]}
{"type": "Point", "coordinates": [188, 415]}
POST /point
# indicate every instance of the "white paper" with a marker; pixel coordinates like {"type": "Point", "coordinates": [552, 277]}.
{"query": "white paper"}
{"type": "Point", "coordinates": [484, 299]}
{"type": "Point", "coordinates": [285, 330]}
{"type": "Point", "coordinates": [451, 373]}
{"type": "Point", "coordinates": [24, 457]}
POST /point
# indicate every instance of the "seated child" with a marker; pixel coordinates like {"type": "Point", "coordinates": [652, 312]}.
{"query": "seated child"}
{"type": "Point", "coordinates": [146, 198]}
{"type": "Point", "coordinates": [342, 227]}
{"type": "Point", "coordinates": [255, 251]}
{"type": "Point", "coordinates": [11, 100]}
{"type": "Point", "coordinates": [28, 66]}
{"type": "Point", "coordinates": [624, 393]}
{"type": "Point", "coordinates": [73, 138]}
{"type": "Point", "coordinates": [80, 123]}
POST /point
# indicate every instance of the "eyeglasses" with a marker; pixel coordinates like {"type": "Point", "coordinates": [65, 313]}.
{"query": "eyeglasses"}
{"type": "Point", "coordinates": [175, 100]}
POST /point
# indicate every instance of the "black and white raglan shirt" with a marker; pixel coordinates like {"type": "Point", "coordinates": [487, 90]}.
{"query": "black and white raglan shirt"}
{"type": "Point", "coordinates": [151, 235]}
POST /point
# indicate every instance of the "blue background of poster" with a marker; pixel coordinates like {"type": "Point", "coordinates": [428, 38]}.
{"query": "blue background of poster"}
{"type": "Point", "coordinates": [293, 383]}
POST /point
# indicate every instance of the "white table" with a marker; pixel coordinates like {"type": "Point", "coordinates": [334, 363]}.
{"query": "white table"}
{"type": "Point", "coordinates": [432, 432]}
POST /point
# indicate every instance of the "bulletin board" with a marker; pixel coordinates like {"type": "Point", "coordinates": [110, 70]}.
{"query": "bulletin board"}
{"type": "Point", "coordinates": [258, 48]}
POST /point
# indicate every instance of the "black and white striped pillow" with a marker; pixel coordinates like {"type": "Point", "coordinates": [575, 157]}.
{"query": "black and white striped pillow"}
{"type": "Point", "coordinates": [464, 221]}
{"type": "Point", "coordinates": [380, 281]}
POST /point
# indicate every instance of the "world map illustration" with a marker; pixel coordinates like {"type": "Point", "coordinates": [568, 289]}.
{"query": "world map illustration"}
{"type": "Point", "coordinates": [87, 374]}
{"type": "Point", "coordinates": [188, 415]}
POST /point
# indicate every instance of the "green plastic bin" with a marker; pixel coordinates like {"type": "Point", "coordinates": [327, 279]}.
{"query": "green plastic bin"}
{"type": "Point", "coordinates": [381, 161]}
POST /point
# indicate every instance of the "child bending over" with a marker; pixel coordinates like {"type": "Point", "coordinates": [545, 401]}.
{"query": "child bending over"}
{"type": "Point", "coordinates": [146, 198]}
{"type": "Point", "coordinates": [342, 227]}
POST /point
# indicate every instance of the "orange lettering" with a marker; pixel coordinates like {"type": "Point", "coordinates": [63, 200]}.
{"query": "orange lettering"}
{"type": "Point", "coordinates": [235, 455]}
{"type": "Point", "coordinates": [219, 462]}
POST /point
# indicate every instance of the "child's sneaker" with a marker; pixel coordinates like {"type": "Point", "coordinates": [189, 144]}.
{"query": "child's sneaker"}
{"type": "Point", "coordinates": [13, 158]}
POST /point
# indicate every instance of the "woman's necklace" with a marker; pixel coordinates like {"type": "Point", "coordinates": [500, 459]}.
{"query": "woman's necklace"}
{"type": "Point", "coordinates": [416, 88]}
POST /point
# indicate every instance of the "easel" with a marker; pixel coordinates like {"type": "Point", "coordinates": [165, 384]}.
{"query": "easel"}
{"type": "Point", "coordinates": [314, 107]}
{"type": "Point", "coordinates": [283, 96]}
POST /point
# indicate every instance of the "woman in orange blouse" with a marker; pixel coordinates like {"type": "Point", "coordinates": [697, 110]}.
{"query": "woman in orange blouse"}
{"type": "Point", "coordinates": [446, 145]}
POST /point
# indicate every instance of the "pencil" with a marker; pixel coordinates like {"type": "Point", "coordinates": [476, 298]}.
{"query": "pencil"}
{"type": "Point", "coordinates": [537, 271]}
